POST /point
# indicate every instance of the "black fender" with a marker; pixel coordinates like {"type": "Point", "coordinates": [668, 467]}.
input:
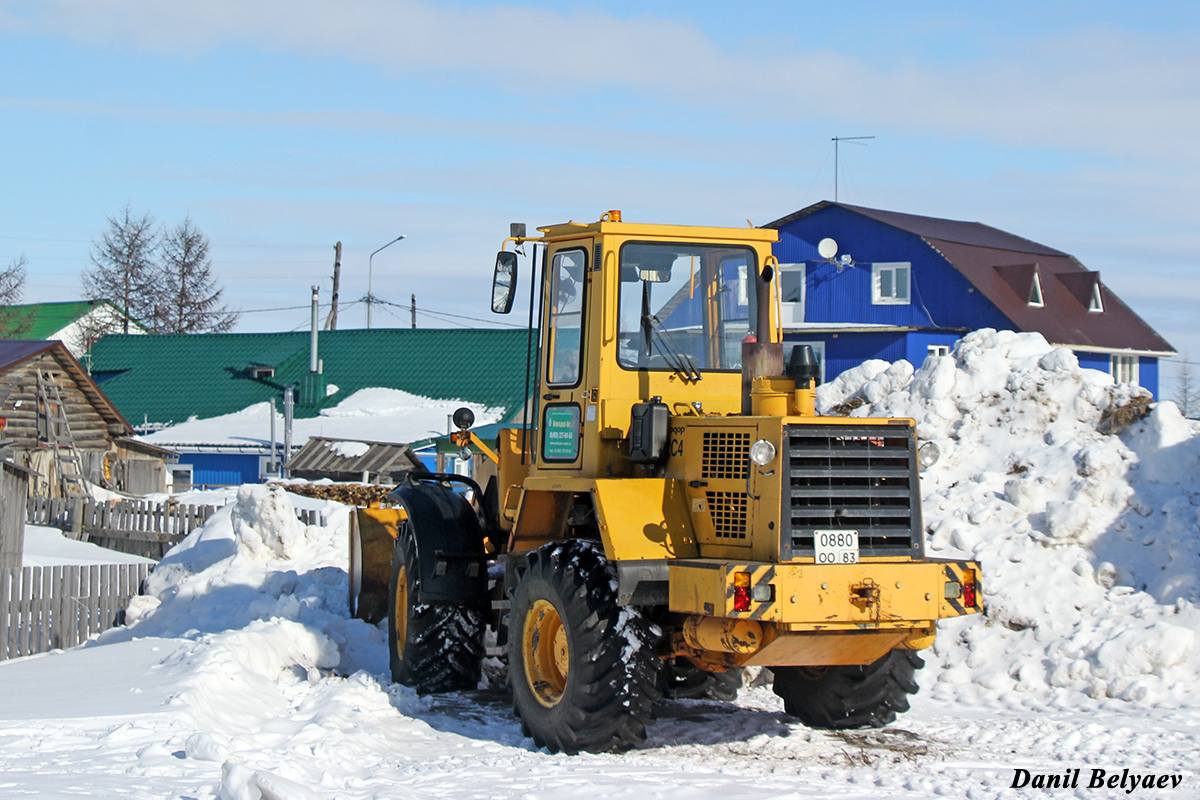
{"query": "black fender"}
{"type": "Point", "coordinates": [449, 542]}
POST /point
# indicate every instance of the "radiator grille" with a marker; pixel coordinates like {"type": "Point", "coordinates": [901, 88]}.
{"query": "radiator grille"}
{"type": "Point", "coordinates": [852, 478]}
{"type": "Point", "coordinates": [728, 512]}
{"type": "Point", "coordinates": [725, 455]}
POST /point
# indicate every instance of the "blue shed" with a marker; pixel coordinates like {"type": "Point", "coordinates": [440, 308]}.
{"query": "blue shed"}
{"type": "Point", "coordinates": [890, 285]}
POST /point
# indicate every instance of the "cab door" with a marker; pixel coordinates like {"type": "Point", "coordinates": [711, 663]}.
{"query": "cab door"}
{"type": "Point", "coordinates": [563, 379]}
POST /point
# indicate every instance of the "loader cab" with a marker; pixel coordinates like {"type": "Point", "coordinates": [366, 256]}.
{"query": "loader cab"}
{"type": "Point", "coordinates": [629, 313]}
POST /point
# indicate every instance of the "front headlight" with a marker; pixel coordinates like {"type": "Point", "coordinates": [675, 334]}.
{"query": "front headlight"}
{"type": "Point", "coordinates": [762, 452]}
{"type": "Point", "coordinates": [928, 455]}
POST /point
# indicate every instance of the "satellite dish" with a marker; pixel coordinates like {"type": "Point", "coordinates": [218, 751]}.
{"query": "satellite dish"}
{"type": "Point", "coordinates": [827, 248]}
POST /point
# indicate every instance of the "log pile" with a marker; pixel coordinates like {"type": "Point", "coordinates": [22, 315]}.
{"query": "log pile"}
{"type": "Point", "coordinates": [352, 494]}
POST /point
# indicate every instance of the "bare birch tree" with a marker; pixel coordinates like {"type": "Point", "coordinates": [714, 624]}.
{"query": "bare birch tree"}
{"type": "Point", "coordinates": [13, 322]}
{"type": "Point", "coordinates": [189, 300]}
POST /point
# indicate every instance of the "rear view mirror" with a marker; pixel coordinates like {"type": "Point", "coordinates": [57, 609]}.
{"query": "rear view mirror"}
{"type": "Point", "coordinates": [504, 282]}
{"type": "Point", "coordinates": [660, 275]}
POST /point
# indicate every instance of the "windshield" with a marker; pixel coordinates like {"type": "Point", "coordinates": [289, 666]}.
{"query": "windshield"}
{"type": "Point", "coordinates": [684, 306]}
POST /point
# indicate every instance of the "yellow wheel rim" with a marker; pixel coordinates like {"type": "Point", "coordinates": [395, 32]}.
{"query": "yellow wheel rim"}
{"type": "Point", "coordinates": [547, 658]}
{"type": "Point", "coordinates": [400, 611]}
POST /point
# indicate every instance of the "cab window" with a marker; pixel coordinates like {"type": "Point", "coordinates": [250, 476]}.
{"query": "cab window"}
{"type": "Point", "coordinates": [684, 304]}
{"type": "Point", "coordinates": [568, 269]}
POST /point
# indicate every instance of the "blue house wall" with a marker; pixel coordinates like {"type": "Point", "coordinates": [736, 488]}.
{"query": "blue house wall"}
{"type": "Point", "coordinates": [940, 296]}
{"type": "Point", "coordinates": [222, 469]}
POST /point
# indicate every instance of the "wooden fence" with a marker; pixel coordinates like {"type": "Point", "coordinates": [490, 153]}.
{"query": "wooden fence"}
{"type": "Point", "coordinates": [138, 527]}
{"type": "Point", "coordinates": [44, 608]}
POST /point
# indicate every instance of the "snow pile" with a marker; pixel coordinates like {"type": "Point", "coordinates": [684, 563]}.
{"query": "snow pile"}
{"type": "Point", "coordinates": [261, 593]}
{"type": "Point", "coordinates": [372, 414]}
{"type": "Point", "coordinates": [1089, 543]}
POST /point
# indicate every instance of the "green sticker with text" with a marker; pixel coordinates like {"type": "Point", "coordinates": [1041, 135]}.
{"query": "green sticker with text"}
{"type": "Point", "coordinates": [560, 436]}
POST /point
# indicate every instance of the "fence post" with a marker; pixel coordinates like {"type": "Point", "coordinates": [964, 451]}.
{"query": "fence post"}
{"type": "Point", "coordinates": [5, 596]}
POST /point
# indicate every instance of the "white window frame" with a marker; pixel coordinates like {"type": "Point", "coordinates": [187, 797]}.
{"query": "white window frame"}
{"type": "Point", "coordinates": [818, 351]}
{"type": "Point", "coordinates": [877, 296]}
{"type": "Point", "coordinates": [1124, 369]}
{"type": "Point", "coordinates": [1036, 299]}
{"type": "Point", "coordinates": [939, 350]}
{"type": "Point", "coordinates": [793, 312]}
{"type": "Point", "coordinates": [1097, 304]}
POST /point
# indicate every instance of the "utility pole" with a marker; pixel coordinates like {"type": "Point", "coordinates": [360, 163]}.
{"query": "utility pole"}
{"type": "Point", "coordinates": [836, 141]}
{"type": "Point", "coordinates": [331, 320]}
{"type": "Point", "coordinates": [414, 312]}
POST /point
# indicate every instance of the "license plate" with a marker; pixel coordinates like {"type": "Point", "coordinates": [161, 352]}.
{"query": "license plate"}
{"type": "Point", "coordinates": [836, 547]}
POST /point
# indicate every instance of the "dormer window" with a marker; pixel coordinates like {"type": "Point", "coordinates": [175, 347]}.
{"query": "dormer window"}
{"type": "Point", "coordinates": [1097, 304]}
{"type": "Point", "coordinates": [1035, 292]}
{"type": "Point", "coordinates": [261, 371]}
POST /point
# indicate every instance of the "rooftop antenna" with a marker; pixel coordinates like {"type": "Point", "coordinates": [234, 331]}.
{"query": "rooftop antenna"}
{"type": "Point", "coordinates": [837, 140]}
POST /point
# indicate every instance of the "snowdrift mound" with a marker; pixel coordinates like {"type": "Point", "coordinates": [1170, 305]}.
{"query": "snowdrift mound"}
{"type": "Point", "coordinates": [261, 593]}
{"type": "Point", "coordinates": [1089, 543]}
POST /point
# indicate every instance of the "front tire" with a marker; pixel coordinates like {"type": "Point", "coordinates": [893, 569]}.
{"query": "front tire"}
{"type": "Point", "coordinates": [844, 697]}
{"type": "Point", "coordinates": [583, 669]}
{"type": "Point", "coordinates": [433, 648]}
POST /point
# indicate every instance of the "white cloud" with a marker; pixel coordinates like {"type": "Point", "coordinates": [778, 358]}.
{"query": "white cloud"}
{"type": "Point", "coordinates": [1098, 90]}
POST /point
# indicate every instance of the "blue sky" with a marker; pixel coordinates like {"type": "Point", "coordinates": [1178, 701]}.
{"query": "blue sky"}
{"type": "Point", "coordinates": [283, 127]}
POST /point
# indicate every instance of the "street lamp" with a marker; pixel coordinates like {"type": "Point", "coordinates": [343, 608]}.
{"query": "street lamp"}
{"type": "Point", "coordinates": [371, 297]}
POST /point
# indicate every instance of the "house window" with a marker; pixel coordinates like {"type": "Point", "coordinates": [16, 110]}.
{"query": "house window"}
{"type": "Point", "coordinates": [1035, 292]}
{"type": "Point", "coordinates": [818, 351]}
{"type": "Point", "coordinates": [1124, 369]}
{"type": "Point", "coordinates": [1097, 304]}
{"type": "Point", "coordinates": [791, 290]}
{"type": "Point", "coordinates": [890, 283]}
{"type": "Point", "coordinates": [939, 350]}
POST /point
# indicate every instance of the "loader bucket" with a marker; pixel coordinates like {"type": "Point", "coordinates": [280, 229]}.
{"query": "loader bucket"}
{"type": "Point", "coordinates": [372, 538]}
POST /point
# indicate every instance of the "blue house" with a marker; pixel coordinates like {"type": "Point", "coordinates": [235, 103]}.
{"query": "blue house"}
{"type": "Point", "coordinates": [861, 283]}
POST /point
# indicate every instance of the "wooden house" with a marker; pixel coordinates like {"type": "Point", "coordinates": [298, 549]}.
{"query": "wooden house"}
{"type": "Point", "coordinates": [61, 426]}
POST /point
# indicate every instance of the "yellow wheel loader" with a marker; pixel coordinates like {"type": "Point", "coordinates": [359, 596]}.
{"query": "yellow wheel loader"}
{"type": "Point", "coordinates": [672, 509]}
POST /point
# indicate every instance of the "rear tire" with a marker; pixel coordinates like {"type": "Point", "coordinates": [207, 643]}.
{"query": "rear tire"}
{"type": "Point", "coordinates": [433, 648]}
{"type": "Point", "coordinates": [867, 696]}
{"type": "Point", "coordinates": [583, 670]}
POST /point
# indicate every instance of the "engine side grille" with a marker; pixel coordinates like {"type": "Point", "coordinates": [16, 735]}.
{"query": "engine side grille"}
{"type": "Point", "coordinates": [852, 478]}
{"type": "Point", "coordinates": [728, 512]}
{"type": "Point", "coordinates": [725, 455]}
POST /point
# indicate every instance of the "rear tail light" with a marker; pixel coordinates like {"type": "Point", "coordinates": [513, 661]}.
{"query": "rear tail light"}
{"type": "Point", "coordinates": [741, 591]}
{"type": "Point", "coordinates": [968, 588]}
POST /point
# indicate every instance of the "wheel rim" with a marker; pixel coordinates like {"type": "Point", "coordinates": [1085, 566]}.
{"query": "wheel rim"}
{"type": "Point", "coordinates": [400, 611]}
{"type": "Point", "coordinates": [547, 656]}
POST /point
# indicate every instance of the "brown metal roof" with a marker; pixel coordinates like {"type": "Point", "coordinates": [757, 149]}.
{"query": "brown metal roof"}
{"type": "Point", "coordinates": [1003, 267]}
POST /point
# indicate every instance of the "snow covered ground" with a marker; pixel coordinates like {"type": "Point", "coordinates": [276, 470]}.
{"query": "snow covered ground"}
{"type": "Point", "coordinates": [240, 676]}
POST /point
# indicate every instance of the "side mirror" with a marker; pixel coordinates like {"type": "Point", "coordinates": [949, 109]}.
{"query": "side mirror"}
{"type": "Point", "coordinates": [504, 282]}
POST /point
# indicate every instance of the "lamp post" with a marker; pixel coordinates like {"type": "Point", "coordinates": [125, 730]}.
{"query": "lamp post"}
{"type": "Point", "coordinates": [370, 296]}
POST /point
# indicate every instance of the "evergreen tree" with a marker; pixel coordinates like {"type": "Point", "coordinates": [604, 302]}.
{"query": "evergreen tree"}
{"type": "Point", "coordinates": [1187, 392]}
{"type": "Point", "coordinates": [189, 300]}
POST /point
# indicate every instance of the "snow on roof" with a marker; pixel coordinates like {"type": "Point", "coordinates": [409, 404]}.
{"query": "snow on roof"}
{"type": "Point", "coordinates": [369, 414]}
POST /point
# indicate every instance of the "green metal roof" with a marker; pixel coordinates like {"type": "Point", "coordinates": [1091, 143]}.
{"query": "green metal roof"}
{"type": "Point", "coordinates": [169, 378]}
{"type": "Point", "coordinates": [47, 319]}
